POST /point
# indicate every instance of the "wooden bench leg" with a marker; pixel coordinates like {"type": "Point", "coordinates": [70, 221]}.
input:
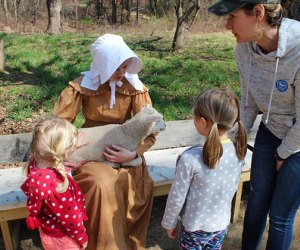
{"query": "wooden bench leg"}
{"type": "Point", "coordinates": [236, 203]}
{"type": "Point", "coordinates": [10, 232]}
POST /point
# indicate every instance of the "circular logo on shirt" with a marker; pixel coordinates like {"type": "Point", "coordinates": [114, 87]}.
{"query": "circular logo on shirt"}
{"type": "Point", "coordinates": [282, 85]}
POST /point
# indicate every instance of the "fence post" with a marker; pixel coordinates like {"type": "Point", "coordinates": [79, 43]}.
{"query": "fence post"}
{"type": "Point", "coordinates": [2, 61]}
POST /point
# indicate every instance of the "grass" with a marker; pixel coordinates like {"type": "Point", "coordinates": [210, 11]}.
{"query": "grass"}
{"type": "Point", "coordinates": [39, 67]}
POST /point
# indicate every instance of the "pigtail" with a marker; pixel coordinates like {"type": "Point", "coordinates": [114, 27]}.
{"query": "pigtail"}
{"type": "Point", "coordinates": [212, 149]}
{"type": "Point", "coordinates": [25, 168]}
{"type": "Point", "coordinates": [241, 141]}
{"type": "Point", "coordinates": [61, 187]}
{"type": "Point", "coordinates": [241, 137]}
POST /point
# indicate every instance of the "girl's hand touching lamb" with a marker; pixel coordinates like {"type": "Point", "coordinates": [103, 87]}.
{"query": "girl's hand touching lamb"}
{"type": "Point", "coordinates": [172, 233]}
{"type": "Point", "coordinates": [81, 140]}
{"type": "Point", "coordinates": [118, 154]}
{"type": "Point", "coordinates": [84, 245]}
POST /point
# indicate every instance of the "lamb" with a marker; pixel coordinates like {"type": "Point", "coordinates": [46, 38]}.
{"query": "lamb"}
{"type": "Point", "coordinates": [128, 135]}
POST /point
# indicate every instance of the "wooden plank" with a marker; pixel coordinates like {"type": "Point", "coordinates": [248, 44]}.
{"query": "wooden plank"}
{"type": "Point", "coordinates": [10, 232]}
{"type": "Point", "coordinates": [162, 189]}
{"type": "Point", "coordinates": [13, 214]}
{"type": "Point", "coordinates": [236, 204]}
{"type": "Point", "coordinates": [178, 134]}
{"type": "Point", "coordinates": [6, 235]}
{"type": "Point", "coordinates": [236, 201]}
{"type": "Point", "coordinates": [162, 163]}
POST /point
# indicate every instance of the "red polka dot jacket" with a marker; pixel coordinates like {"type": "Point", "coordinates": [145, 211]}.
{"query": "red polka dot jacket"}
{"type": "Point", "coordinates": [57, 214]}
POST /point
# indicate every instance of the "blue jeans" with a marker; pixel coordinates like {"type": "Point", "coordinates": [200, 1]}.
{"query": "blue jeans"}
{"type": "Point", "coordinates": [274, 193]}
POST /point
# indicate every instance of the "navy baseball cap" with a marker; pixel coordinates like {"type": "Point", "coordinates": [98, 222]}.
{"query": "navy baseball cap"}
{"type": "Point", "coordinates": [225, 7]}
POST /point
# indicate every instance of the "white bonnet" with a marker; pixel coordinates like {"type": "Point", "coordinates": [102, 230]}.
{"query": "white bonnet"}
{"type": "Point", "coordinates": [109, 52]}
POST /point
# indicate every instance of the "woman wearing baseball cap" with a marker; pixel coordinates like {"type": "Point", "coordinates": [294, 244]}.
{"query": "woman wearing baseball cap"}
{"type": "Point", "coordinates": [268, 61]}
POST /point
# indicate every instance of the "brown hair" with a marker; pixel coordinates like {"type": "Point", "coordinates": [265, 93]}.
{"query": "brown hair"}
{"type": "Point", "coordinates": [275, 12]}
{"type": "Point", "coordinates": [52, 139]}
{"type": "Point", "coordinates": [221, 108]}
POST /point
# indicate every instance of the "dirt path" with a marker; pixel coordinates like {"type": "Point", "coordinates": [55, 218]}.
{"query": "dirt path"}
{"type": "Point", "coordinates": [157, 239]}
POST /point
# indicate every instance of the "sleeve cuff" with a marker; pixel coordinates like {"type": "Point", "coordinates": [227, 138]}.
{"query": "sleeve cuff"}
{"type": "Point", "coordinates": [283, 152]}
{"type": "Point", "coordinates": [278, 157]}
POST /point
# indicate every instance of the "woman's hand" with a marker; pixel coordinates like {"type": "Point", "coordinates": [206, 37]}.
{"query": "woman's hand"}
{"type": "Point", "coordinates": [172, 233]}
{"type": "Point", "coordinates": [278, 164]}
{"type": "Point", "coordinates": [118, 154]}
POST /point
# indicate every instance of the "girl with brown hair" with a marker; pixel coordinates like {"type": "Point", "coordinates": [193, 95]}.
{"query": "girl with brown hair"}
{"type": "Point", "coordinates": [207, 176]}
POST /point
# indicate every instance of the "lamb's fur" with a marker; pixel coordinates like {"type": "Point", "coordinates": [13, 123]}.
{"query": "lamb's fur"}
{"type": "Point", "coordinates": [128, 135]}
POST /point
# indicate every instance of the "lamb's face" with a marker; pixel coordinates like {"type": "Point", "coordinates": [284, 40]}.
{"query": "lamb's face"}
{"type": "Point", "coordinates": [160, 125]}
{"type": "Point", "coordinates": [155, 117]}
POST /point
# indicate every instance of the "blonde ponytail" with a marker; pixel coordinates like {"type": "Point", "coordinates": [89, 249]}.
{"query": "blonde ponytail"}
{"type": "Point", "coordinates": [62, 187]}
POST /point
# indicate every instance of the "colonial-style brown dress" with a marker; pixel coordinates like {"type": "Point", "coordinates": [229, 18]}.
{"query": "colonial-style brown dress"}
{"type": "Point", "coordinates": [118, 202]}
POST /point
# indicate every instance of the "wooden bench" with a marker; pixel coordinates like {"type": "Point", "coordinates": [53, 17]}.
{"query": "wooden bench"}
{"type": "Point", "coordinates": [161, 161]}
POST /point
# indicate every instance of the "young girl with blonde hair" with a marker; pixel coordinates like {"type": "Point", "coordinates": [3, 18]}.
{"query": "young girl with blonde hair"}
{"type": "Point", "coordinates": [207, 176]}
{"type": "Point", "coordinates": [54, 200]}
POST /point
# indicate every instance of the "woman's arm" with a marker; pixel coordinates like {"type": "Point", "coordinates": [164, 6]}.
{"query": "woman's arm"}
{"type": "Point", "coordinates": [291, 143]}
{"type": "Point", "coordinates": [68, 104]}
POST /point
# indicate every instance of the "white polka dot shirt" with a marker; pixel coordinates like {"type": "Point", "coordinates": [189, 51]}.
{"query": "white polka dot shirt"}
{"type": "Point", "coordinates": [202, 196]}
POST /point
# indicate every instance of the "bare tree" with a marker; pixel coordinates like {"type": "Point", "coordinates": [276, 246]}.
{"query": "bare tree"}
{"type": "Point", "coordinates": [54, 8]}
{"type": "Point", "coordinates": [5, 11]}
{"type": "Point", "coordinates": [153, 6]}
{"type": "Point", "coordinates": [16, 4]}
{"type": "Point", "coordinates": [186, 12]}
{"type": "Point", "coordinates": [126, 4]}
{"type": "Point", "coordinates": [2, 61]}
{"type": "Point", "coordinates": [137, 11]}
{"type": "Point", "coordinates": [76, 13]}
{"type": "Point", "coordinates": [100, 11]}
{"type": "Point", "coordinates": [113, 12]}
{"type": "Point", "coordinates": [35, 11]}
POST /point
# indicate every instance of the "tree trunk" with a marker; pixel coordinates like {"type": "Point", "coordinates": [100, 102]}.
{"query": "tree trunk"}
{"type": "Point", "coordinates": [5, 11]}
{"type": "Point", "coordinates": [2, 60]}
{"type": "Point", "coordinates": [113, 12]}
{"type": "Point", "coordinates": [152, 5]}
{"type": "Point", "coordinates": [76, 13]}
{"type": "Point", "coordinates": [16, 12]}
{"type": "Point", "coordinates": [35, 11]}
{"type": "Point", "coordinates": [127, 10]}
{"type": "Point", "coordinates": [54, 8]}
{"type": "Point", "coordinates": [185, 14]}
{"type": "Point", "coordinates": [137, 11]}
{"type": "Point", "coordinates": [98, 9]}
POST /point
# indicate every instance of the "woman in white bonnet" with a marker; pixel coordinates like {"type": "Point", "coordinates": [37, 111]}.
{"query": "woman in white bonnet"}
{"type": "Point", "coordinates": [118, 202]}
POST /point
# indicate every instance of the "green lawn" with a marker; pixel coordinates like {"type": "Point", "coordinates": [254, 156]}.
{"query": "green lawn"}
{"type": "Point", "coordinates": [39, 67]}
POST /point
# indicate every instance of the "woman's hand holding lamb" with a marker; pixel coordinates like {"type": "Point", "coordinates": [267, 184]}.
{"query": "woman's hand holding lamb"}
{"type": "Point", "coordinates": [118, 154]}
